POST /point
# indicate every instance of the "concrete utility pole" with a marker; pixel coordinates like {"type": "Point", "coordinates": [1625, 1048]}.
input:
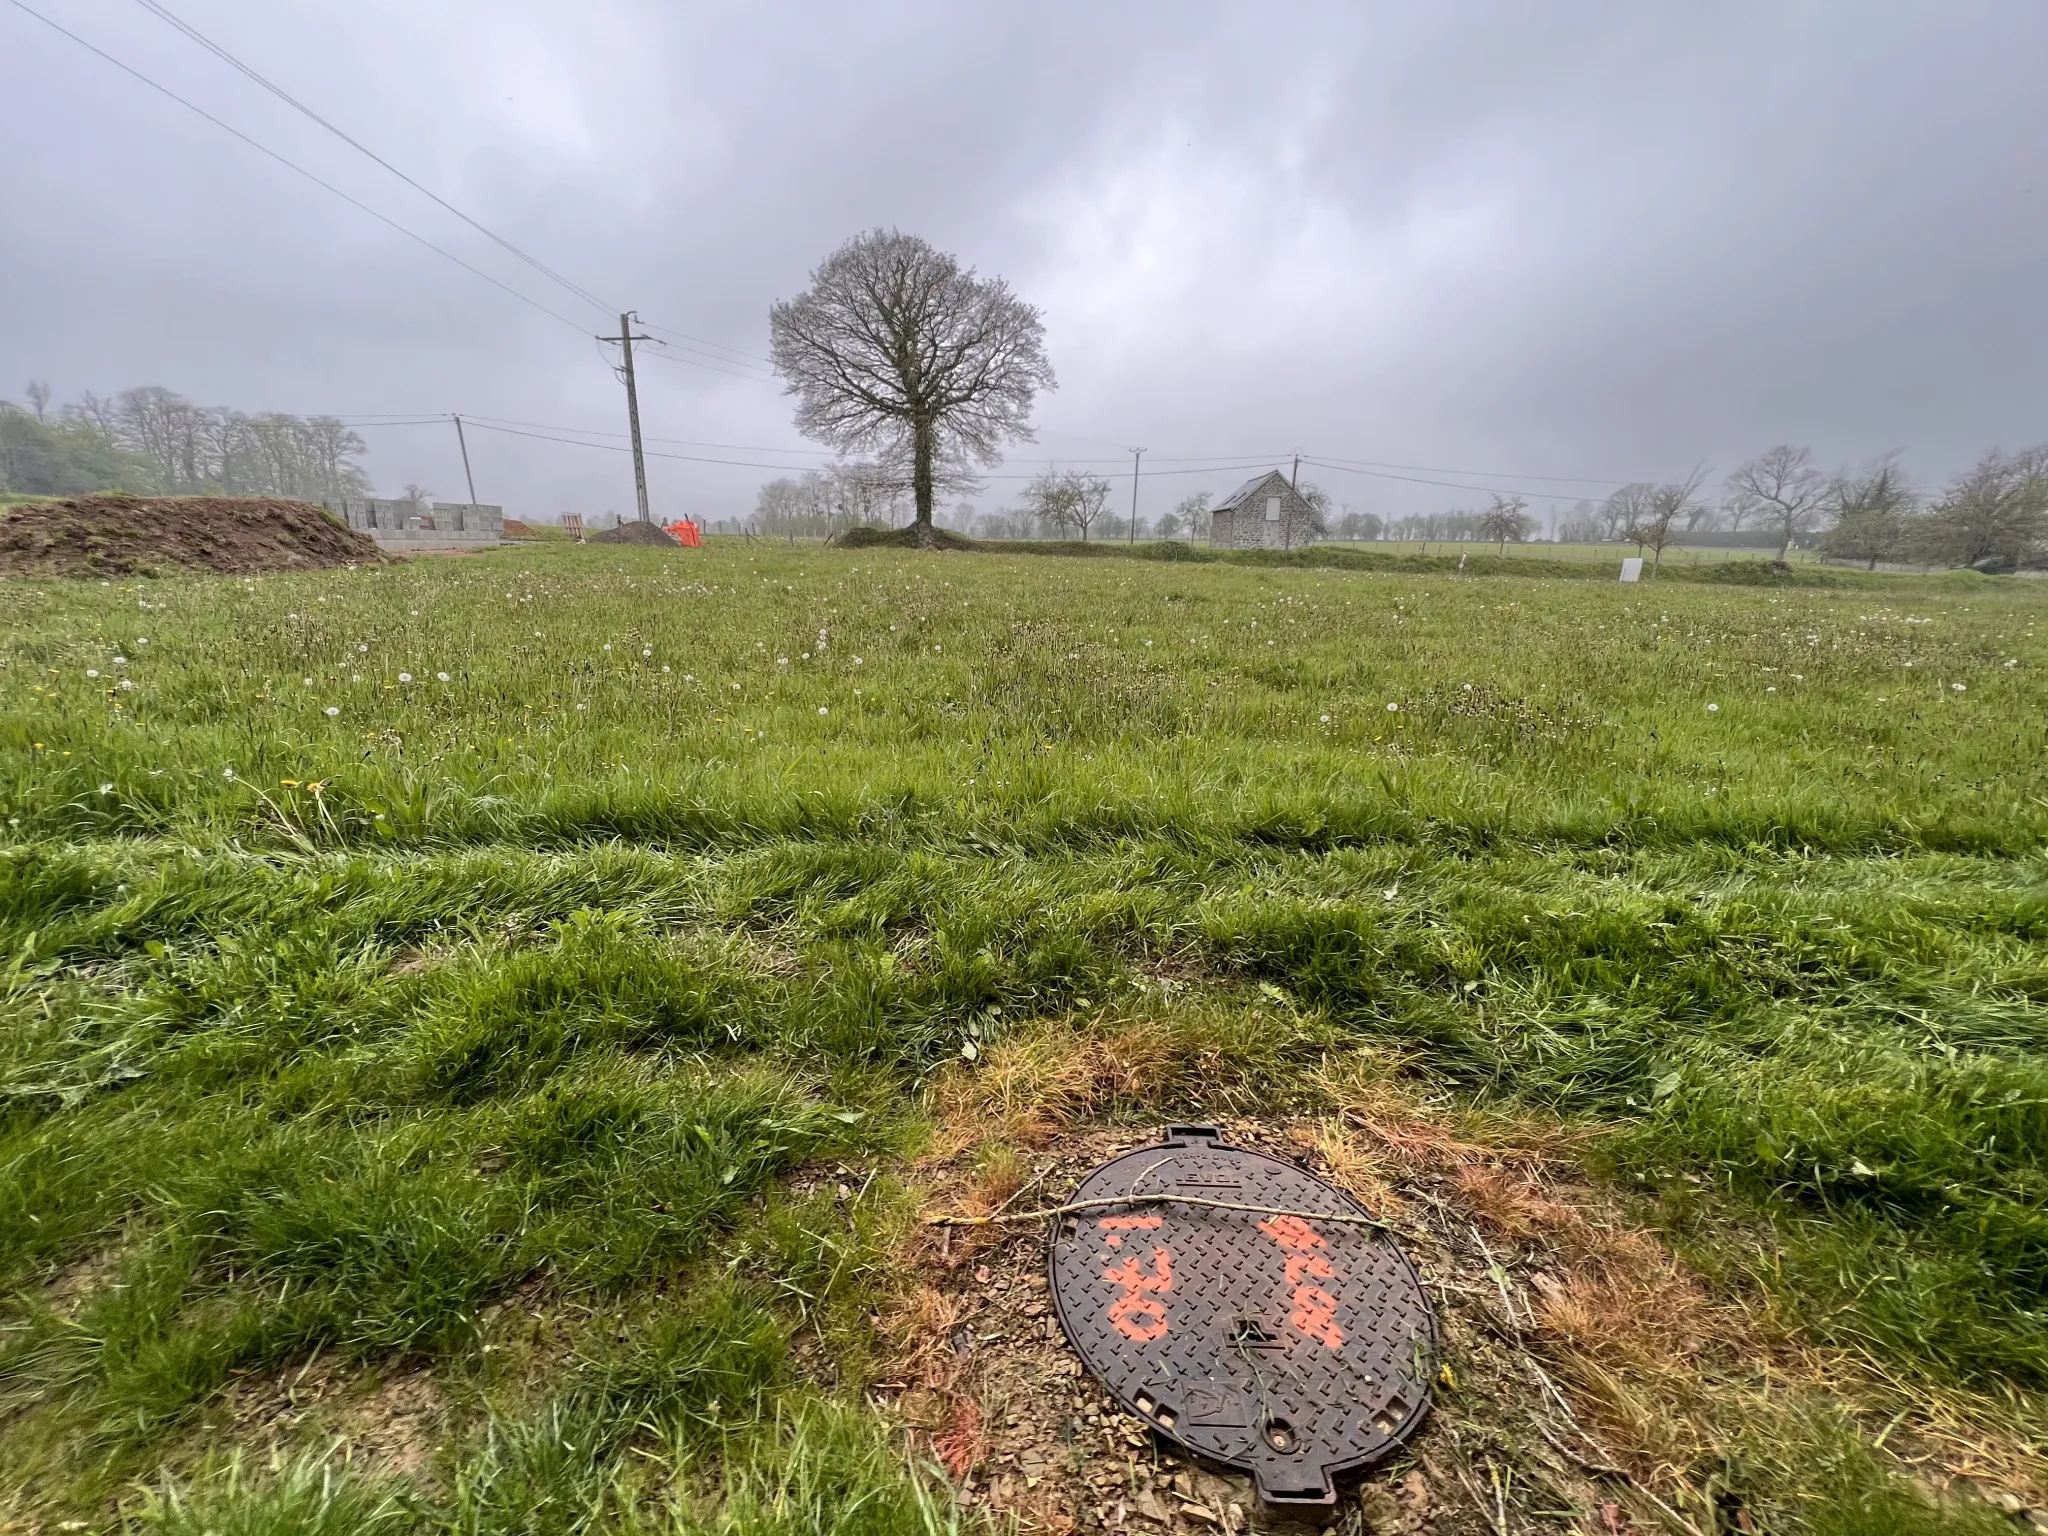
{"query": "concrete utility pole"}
{"type": "Point", "coordinates": [625, 339]}
{"type": "Point", "coordinates": [1136, 453]}
{"type": "Point", "coordinates": [463, 442]}
{"type": "Point", "coordinates": [1287, 523]}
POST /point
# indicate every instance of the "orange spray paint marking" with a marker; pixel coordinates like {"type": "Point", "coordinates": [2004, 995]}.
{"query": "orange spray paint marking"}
{"type": "Point", "coordinates": [1137, 1313]}
{"type": "Point", "coordinates": [1315, 1309]}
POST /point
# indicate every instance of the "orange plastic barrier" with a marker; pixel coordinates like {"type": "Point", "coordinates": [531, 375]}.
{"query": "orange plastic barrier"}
{"type": "Point", "coordinates": [686, 533]}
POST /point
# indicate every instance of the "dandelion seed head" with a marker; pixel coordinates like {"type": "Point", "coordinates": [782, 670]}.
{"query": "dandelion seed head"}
{"type": "Point", "coordinates": [1713, 709]}
{"type": "Point", "coordinates": [125, 683]}
{"type": "Point", "coordinates": [405, 677]}
{"type": "Point", "coordinates": [823, 710]}
{"type": "Point", "coordinates": [364, 648]}
{"type": "Point", "coordinates": [332, 710]}
{"type": "Point", "coordinates": [646, 650]}
{"type": "Point", "coordinates": [1959, 687]}
{"type": "Point", "coordinates": [1393, 709]}
{"type": "Point", "coordinates": [92, 671]}
{"type": "Point", "coordinates": [120, 661]}
{"type": "Point", "coordinates": [443, 676]}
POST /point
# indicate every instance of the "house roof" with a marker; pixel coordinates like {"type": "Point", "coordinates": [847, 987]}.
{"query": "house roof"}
{"type": "Point", "coordinates": [1243, 493]}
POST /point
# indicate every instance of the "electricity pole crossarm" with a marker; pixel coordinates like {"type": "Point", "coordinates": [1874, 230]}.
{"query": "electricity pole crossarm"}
{"type": "Point", "coordinates": [625, 339]}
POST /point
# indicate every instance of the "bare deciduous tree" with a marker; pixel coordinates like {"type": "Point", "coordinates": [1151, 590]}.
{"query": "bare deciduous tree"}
{"type": "Point", "coordinates": [38, 397]}
{"type": "Point", "coordinates": [1068, 500]}
{"type": "Point", "coordinates": [1507, 518]}
{"type": "Point", "coordinates": [1873, 512]}
{"type": "Point", "coordinates": [1191, 514]}
{"type": "Point", "coordinates": [1626, 509]}
{"type": "Point", "coordinates": [1306, 527]}
{"type": "Point", "coordinates": [1993, 515]}
{"type": "Point", "coordinates": [1782, 490]}
{"type": "Point", "coordinates": [1657, 521]}
{"type": "Point", "coordinates": [894, 350]}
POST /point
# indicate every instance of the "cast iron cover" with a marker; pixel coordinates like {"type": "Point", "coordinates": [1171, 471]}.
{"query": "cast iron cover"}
{"type": "Point", "coordinates": [1293, 1349]}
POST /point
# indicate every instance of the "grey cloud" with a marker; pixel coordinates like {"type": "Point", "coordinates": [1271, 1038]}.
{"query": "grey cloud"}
{"type": "Point", "coordinates": [1579, 240]}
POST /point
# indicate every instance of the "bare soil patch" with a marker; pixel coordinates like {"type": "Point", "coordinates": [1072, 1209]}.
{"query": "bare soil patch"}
{"type": "Point", "coordinates": [120, 535]}
{"type": "Point", "coordinates": [388, 1421]}
{"type": "Point", "coordinates": [635, 532]}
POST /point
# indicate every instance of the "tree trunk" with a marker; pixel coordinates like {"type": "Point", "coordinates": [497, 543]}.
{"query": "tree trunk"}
{"type": "Point", "coordinates": [921, 480]}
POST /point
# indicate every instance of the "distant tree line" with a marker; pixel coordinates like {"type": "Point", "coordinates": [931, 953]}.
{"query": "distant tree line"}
{"type": "Point", "coordinates": [1993, 516]}
{"type": "Point", "coordinates": [154, 440]}
{"type": "Point", "coordinates": [821, 503]}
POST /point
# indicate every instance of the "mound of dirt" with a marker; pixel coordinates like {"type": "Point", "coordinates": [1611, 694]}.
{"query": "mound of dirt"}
{"type": "Point", "coordinates": [635, 533]}
{"type": "Point", "coordinates": [901, 538]}
{"type": "Point", "coordinates": [113, 534]}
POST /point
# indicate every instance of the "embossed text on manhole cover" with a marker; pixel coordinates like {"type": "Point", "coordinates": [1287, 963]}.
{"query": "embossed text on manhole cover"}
{"type": "Point", "coordinates": [1278, 1340]}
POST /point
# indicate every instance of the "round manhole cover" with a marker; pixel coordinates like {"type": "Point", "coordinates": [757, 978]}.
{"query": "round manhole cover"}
{"type": "Point", "coordinates": [1292, 1346]}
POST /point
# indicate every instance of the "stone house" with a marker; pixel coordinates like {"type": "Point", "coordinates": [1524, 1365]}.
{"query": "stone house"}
{"type": "Point", "coordinates": [1263, 513]}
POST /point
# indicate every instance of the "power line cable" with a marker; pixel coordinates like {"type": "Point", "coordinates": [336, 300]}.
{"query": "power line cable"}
{"type": "Point", "coordinates": [753, 464]}
{"type": "Point", "coordinates": [1223, 461]}
{"type": "Point", "coordinates": [752, 357]}
{"type": "Point", "coordinates": [1490, 490]}
{"type": "Point", "coordinates": [290, 165]}
{"type": "Point", "coordinates": [1485, 474]}
{"type": "Point", "coordinates": [689, 353]}
{"type": "Point", "coordinates": [732, 373]}
{"type": "Point", "coordinates": [165, 14]}
{"type": "Point", "coordinates": [162, 13]}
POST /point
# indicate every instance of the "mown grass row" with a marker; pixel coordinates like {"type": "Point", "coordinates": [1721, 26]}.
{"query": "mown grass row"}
{"type": "Point", "coordinates": [1855, 1051]}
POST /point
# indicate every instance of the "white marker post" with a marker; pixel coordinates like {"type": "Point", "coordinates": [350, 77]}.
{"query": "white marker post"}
{"type": "Point", "coordinates": [1632, 568]}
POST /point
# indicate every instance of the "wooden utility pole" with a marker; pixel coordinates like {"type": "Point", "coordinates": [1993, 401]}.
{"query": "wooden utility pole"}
{"type": "Point", "coordinates": [625, 339]}
{"type": "Point", "coordinates": [1136, 453]}
{"type": "Point", "coordinates": [463, 443]}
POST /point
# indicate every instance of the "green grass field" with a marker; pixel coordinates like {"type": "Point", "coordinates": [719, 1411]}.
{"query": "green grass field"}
{"type": "Point", "coordinates": [545, 982]}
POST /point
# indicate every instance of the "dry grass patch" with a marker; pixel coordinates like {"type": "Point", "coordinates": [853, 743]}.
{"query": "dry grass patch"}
{"type": "Point", "coordinates": [1589, 1368]}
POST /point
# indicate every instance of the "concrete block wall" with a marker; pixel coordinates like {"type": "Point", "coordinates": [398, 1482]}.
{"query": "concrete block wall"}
{"type": "Point", "coordinates": [399, 524]}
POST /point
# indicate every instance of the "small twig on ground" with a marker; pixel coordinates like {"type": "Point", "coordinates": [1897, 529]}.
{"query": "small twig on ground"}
{"type": "Point", "coordinates": [1551, 1387]}
{"type": "Point", "coordinates": [1478, 1498]}
{"type": "Point", "coordinates": [1077, 1206]}
{"type": "Point", "coordinates": [1024, 1189]}
{"type": "Point", "coordinates": [1597, 1468]}
{"type": "Point", "coordinates": [1499, 1277]}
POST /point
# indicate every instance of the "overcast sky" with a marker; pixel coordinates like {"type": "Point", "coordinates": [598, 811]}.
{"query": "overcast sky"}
{"type": "Point", "coordinates": [1499, 241]}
